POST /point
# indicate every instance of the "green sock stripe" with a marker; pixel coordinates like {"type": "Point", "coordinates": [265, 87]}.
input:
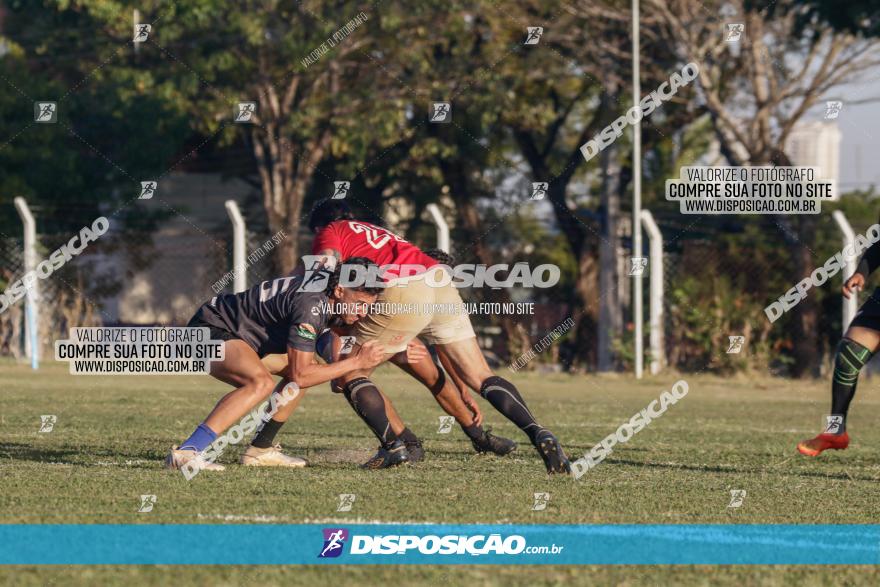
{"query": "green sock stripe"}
{"type": "Point", "coordinates": [845, 377]}
{"type": "Point", "coordinates": [857, 352]}
{"type": "Point", "coordinates": [842, 357]}
{"type": "Point", "coordinates": [853, 356]}
{"type": "Point", "coordinates": [859, 360]}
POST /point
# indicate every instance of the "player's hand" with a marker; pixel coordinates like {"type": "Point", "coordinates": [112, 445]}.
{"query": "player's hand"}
{"type": "Point", "coordinates": [853, 284]}
{"type": "Point", "coordinates": [370, 355]}
{"type": "Point", "coordinates": [415, 351]}
{"type": "Point", "coordinates": [473, 407]}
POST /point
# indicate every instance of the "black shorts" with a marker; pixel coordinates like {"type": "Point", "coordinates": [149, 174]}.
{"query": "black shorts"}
{"type": "Point", "coordinates": [217, 332]}
{"type": "Point", "coordinates": [868, 315]}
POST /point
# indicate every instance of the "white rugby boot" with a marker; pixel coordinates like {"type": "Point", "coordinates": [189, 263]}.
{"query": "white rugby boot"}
{"type": "Point", "coordinates": [177, 458]}
{"type": "Point", "coordinates": [270, 457]}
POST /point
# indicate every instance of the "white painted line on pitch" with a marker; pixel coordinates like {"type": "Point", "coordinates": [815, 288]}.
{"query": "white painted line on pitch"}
{"type": "Point", "coordinates": [363, 521]}
{"type": "Point", "coordinates": [128, 463]}
{"type": "Point", "coordinates": [271, 518]}
{"type": "Point", "coordinates": [244, 518]}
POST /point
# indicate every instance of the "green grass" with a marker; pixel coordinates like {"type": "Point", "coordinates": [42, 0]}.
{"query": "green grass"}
{"type": "Point", "coordinates": [736, 433]}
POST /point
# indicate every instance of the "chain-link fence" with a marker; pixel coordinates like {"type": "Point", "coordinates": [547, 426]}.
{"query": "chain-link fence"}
{"type": "Point", "coordinates": [63, 299]}
{"type": "Point", "coordinates": [12, 319]}
{"type": "Point", "coordinates": [719, 280]}
{"type": "Point", "coordinates": [128, 277]}
{"type": "Point", "coordinates": [718, 276]}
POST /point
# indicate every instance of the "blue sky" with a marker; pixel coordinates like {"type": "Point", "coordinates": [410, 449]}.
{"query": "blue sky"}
{"type": "Point", "coordinates": [860, 126]}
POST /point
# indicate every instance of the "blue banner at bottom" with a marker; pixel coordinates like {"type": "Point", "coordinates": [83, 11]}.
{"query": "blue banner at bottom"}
{"type": "Point", "coordinates": [300, 544]}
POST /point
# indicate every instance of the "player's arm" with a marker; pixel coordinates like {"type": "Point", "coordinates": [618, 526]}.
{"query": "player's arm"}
{"type": "Point", "coordinates": [870, 260]}
{"type": "Point", "coordinates": [462, 388]}
{"type": "Point", "coordinates": [867, 264]}
{"type": "Point", "coordinates": [305, 371]}
{"type": "Point", "coordinates": [308, 317]}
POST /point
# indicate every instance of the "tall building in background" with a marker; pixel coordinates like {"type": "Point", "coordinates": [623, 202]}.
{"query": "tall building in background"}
{"type": "Point", "coordinates": [816, 143]}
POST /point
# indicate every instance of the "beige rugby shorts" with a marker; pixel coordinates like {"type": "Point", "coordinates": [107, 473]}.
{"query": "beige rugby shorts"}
{"type": "Point", "coordinates": [417, 306]}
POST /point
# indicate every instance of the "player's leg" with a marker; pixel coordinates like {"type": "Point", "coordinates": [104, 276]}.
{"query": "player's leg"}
{"type": "Point", "coordinates": [240, 367]}
{"type": "Point", "coordinates": [333, 352]}
{"type": "Point", "coordinates": [365, 398]}
{"type": "Point", "coordinates": [277, 365]}
{"type": "Point", "coordinates": [457, 381]}
{"type": "Point", "coordinates": [263, 451]}
{"type": "Point", "coordinates": [468, 361]}
{"type": "Point", "coordinates": [490, 442]}
{"type": "Point", "coordinates": [427, 373]}
{"type": "Point", "coordinates": [453, 334]}
{"type": "Point", "coordinates": [378, 413]}
{"type": "Point", "coordinates": [450, 399]}
{"type": "Point", "coordinates": [393, 331]}
{"type": "Point", "coordinates": [854, 351]}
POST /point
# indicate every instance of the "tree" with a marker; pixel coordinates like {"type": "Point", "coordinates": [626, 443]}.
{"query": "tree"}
{"type": "Point", "coordinates": [114, 125]}
{"type": "Point", "coordinates": [754, 96]}
{"type": "Point", "coordinates": [573, 91]}
{"type": "Point", "coordinates": [310, 72]}
{"type": "Point", "coordinates": [858, 17]}
{"type": "Point", "coordinates": [454, 58]}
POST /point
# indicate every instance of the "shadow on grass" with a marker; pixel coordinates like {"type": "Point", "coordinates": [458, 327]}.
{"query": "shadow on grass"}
{"type": "Point", "coordinates": [79, 456]}
{"type": "Point", "coordinates": [744, 470]}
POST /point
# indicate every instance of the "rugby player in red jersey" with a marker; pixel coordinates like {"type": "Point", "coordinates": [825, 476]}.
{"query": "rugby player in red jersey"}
{"type": "Point", "coordinates": [340, 236]}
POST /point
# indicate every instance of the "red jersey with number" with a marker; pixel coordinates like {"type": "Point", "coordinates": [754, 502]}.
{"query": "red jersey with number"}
{"type": "Point", "coordinates": [354, 238]}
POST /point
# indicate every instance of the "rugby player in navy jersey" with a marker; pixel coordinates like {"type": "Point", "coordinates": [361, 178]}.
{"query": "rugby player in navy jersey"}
{"type": "Point", "coordinates": [270, 318]}
{"type": "Point", "coordinates": [855, 349]}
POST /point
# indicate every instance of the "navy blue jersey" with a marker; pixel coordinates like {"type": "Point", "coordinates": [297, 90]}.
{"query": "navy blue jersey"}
{"type": "Point", "coordinates": [271, 316]}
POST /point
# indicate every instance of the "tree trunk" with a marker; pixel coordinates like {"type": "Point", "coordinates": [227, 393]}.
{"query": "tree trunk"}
{"type": "Point", "coordinates": [284, 185]}
{"type": "Point", "coordinates": [806, 314]}
{"type": "Point", "coordinates": [585, 311]}
{"type": "Point", "coordinates": [610, 315]}
{"type": "Point", "coordinates": [585, 301]}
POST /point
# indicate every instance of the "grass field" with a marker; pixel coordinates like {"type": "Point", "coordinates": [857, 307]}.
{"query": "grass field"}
{"type": "Point", "coordinates": [112, 433]}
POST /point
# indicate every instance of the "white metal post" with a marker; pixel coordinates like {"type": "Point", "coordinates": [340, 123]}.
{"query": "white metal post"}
{"type": "Point", "coordinates": [239, 268]}
{"type": "Point", "coordinates": [655, 265]}
{"type": "Point", "coordinates": [442, 227]}
{"type": "Point", "coordinates": [851, 305]}
{"type": "Point", "coordinates": [135, 20]}
{"type": "Point", "coordinates": [637, 194]}
{"type": "Point", "coordinates": [32, 294]}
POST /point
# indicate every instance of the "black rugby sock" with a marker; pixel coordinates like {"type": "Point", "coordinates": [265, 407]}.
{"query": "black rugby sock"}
{"type": "Point", "coordinates": [849, 360]}
{"type": "Point", "coordinates": [473, 431]}
{"type": "Point", "coordinates": [505, 398]}
{"type": "Point", "coordinates": [364, 397]}
{"type": "Point", "coordinates": [408, 436]}
{"type": "Point", "coordinates": [266, 435]}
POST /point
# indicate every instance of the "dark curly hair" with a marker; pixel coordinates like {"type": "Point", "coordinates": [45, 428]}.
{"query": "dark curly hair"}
{"type": "Point", "coordinates": [333, 280]}
{"type": "Point", "coordinates": [440, 255]}
{"type": "Point", "coordinates": [328, 210]}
